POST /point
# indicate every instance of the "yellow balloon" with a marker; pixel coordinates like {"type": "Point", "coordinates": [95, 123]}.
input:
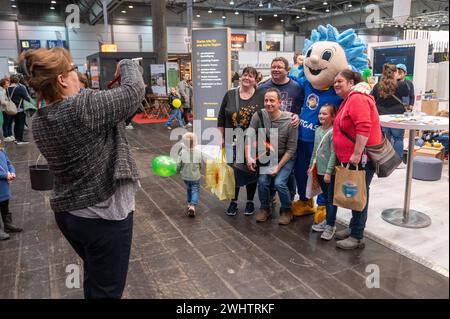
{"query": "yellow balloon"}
{"type": "Point", "coordinates": [176, 103]}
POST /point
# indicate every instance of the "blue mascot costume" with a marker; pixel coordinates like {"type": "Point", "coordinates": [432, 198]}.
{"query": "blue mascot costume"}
{"type": "Point", "coordinates": [327, 53]}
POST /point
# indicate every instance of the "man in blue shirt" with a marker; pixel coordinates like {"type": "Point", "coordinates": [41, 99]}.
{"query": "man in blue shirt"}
{"type": "Point", "coordinates": [291, 93]}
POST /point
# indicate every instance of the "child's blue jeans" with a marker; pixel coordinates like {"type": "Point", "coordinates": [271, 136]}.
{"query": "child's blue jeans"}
{"type": "Point", "coordinates": [328, 192]}
{"type": "Point", "coordinates": [176, 114]}
{"type": "Point", "coordinates": [193, 192]}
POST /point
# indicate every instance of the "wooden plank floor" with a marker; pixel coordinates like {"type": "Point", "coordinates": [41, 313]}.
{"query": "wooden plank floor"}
{"type": "Point", "coordinates": [211, 256]}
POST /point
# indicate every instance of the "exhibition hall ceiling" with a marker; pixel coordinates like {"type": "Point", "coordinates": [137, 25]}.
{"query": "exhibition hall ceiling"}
{"type": "Point", "coordinates": [292, 15]}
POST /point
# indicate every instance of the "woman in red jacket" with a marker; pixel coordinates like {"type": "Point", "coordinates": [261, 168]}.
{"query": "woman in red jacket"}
{"type": "Point", "coordinates": [357, 117]}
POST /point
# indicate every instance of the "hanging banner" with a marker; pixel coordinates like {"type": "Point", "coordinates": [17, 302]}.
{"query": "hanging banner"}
{"type": "Point", "coordinates": [172, 75]}
{"type": "Point", "coordinates": [401, 11]}
{"type": "Point", "coordinates": [158, 79]}
{"type": "Point", "coordinates": [211, 66]}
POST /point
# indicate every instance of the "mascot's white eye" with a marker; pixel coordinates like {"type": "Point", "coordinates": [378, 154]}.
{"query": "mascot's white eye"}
{"type": "Point", "coordinates": [309, 53]}
{"type": "Point", "coordinates": [327, 55]}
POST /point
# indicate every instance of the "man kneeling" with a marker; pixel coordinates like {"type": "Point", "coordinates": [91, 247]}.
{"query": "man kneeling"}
{"type": "Point", "coordinates": [281, 138]}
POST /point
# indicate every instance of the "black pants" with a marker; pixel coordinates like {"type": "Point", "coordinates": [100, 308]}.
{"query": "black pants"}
{"type": "Point", "coordinates": [4, 207]}
{"type": "Point", "coordinates": [186, 115]}
{"type": "Point", "coordinates": [251, 191]}
{"type": "Point", "coordinates": [104, 246]}
{"type": "Point", "coordinates": [6, 217]}
{"type": "Point", "coordinates": [19, 125]}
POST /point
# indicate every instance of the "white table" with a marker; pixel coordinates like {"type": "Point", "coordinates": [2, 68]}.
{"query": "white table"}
{"type": "Point", "coordinates": [406, 217]}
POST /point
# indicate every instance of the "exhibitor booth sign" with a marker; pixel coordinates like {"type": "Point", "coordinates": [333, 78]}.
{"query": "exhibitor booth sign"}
{"type": "Point", "coordinates": [211, 56]}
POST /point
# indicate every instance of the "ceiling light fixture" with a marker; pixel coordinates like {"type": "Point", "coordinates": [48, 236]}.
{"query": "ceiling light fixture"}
{"type": "Point", "coordinates": [325, 3]}
{"type": "Point", "coordinates": [131, 7]}
{"type": "Point", "coordinates": [275, 15]}
{"type": "Point", "coordinates": [261, 4]}
{"type": "Point", "coordinates": [52, 8]}
{"type": "Point", "coordinates": [209, 11]}
{"type": "Point", "coordinates": [303, 8]}
{"type": "Point", "coordinates": [327, 10]}
{"type": "Point", "coordinates": [53, 2]}
{"type": "Point", "coordinates": [224, 17]}
{"type": "Point", "coordinates": [231, 3]}
{"type": "Point", "coordinates": [123, 11]}
{"type": "Point", "coordinates": [13, 6]}
{"type": "Point", "coordinates": [260, 19]}
{"type": "Point", "coordinates": [236, 12]}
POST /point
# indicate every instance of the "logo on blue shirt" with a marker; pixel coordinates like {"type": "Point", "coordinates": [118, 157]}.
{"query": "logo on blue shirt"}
{"type": "Point", "coordinates": [312, 101]}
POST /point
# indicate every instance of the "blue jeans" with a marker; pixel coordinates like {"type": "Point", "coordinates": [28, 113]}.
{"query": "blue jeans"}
{"type": "Point", "coordinates": [280, 182]}
{"type": "Point", "coordinates": [304, 153]}
{"type": "Point", "coordinates": [193, 192]}
{"type": "Point", "coordinates": [358, 221]}
{"type": "Point", "coordinates": [395, 136]}
{"type": "Point", "coordinates": [7, 124]}
{"type": "Point", "coordinates": [328, 192]}
{"type": "Point", "coordinates": [176, 114]}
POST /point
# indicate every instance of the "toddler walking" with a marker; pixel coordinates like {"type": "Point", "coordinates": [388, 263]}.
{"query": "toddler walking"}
{"type": "Point", "coordinates": [7, 175]}
{"type": "Point", "coordinates": [324, 159]}
{"type": "Point", "coordinates": [189, 165]}
{"type": "Point", "coordinates": [175, 112]}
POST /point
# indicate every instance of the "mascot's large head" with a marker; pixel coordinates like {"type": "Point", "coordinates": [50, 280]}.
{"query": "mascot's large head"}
{"type": "Point", "coordinates": [329, 52]}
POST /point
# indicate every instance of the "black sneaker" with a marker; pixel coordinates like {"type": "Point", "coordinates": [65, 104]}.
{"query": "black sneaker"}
{"type": "Point", "coordinates": [232, 209]}
{"type": "Point", "coordinates": [12, 229]}
{"type": "Point", "coordinates": [249, 209]}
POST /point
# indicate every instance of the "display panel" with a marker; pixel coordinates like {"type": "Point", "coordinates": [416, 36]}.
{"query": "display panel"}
{"type": "Point", "coordinates": [396, 55]}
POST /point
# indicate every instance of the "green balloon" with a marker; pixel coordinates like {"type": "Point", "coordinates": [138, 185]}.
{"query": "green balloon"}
{"type": "Point", "coordinates": [164, 166]}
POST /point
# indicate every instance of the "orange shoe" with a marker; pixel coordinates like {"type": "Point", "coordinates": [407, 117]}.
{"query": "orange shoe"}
{"type": "Point", "coordinates": [303, 208]}
{"type": "Point", "coordinates": [320, 215]}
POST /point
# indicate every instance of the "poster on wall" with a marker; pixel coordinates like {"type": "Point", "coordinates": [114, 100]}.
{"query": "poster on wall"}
{"type": "Point", "coordinates": [158, 79]}
{"type": "Point", "coordinates": [271, 46]}
{"type": "Point", "coordinates": [29, 44]}
{"type": "Point", "coordinates": [95, 74]}
{"type": "Point", "coordinates": [172, 75]}
{"type": "Point", "coordinates": [238, 41]}
{"type": "Point", "coordinates": [211, 70]}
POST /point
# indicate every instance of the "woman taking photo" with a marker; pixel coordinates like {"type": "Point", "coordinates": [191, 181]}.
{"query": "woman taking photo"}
{"type": "Point", "coordinates": [233, 116]}
{"type": "Point", "coordinates": [392, 97]}
{"type": "Point", "coordinates": [82, 136]}
{"type": "Point", "coordinates": [358, 118]}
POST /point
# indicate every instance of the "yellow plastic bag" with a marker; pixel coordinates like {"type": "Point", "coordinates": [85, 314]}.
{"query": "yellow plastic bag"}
{"type": "Point", "coordinates": [219, 178]}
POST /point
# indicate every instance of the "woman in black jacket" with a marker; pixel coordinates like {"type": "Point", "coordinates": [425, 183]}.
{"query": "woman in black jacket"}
{"type": "Point", "coordinates": [17, 93]}
{"type": "Point", "coordinates": [391, 97]}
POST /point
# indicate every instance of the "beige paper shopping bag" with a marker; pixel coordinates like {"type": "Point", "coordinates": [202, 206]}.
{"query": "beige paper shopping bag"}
{"type": "Point", "coordinates": [350, 189]}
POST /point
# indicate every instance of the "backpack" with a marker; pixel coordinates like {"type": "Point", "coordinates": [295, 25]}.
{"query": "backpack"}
{"type": "Point", "coordinates": [10, 108]}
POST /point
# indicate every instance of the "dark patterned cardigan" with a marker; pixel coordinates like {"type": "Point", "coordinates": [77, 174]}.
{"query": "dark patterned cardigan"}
{"type": "Point", "coordinates": [83, 140]}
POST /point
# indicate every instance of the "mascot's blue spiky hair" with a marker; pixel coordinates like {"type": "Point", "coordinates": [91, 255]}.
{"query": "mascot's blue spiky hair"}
{"type": "Point", "coordinates": [353, 46]}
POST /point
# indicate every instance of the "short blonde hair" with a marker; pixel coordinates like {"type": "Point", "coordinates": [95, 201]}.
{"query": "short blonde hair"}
{"type": "Point", "coordinates": [190, 140]}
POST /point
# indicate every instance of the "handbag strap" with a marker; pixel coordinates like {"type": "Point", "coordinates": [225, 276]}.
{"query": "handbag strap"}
{"type": "Point", "coordinates": [12, 94]}
{"type": "Point", "coordinates": [237, 106]}
{"type": "Point", "coordinates": [395, 97]}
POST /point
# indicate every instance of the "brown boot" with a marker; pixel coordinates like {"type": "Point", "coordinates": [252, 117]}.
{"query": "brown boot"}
{"type": "Point", "coordinates": [263, 214]}
{"type": "Point", "coordinates": [285, 217]}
